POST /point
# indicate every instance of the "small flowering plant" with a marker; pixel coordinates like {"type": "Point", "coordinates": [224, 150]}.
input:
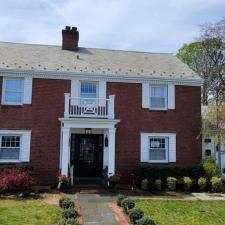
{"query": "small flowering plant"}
{"type": "Point", "coordinates": [114, 179]}
{"type": "Point", "coordinates": [63, 182]}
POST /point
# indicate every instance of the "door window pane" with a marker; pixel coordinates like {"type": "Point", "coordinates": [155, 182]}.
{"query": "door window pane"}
{"type": "Point", "coordinates": [88, 90]}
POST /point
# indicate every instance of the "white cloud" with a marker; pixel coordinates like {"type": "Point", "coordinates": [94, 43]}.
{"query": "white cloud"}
{"type": "Point", "coordinates": [145, 25]}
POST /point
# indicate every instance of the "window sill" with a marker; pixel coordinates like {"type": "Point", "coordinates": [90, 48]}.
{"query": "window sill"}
{"type": "Point", "coordinates": [154, 109]}
{"type": "Point", "coordinates": [12, 104]}
{"type": "Point", "coordinates": [158, 161]}
{"type": "Point", "coordinates": [9, 161]}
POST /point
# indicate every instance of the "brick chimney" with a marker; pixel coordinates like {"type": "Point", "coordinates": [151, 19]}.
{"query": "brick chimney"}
{"type": "Point", "coordinates": [70, 38]}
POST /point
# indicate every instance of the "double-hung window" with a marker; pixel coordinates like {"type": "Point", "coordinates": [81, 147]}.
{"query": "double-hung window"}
{"type": "Point", "coordinates": [158, 97]}
{"type": "Point", "coordinates": [10, 146]}
{"type": "Point", "coordinates": [88, 93]}
{"type": "Point", "coordinates": [158, 149]}
{"type": "Point", "coordinates": [88, 90]}
{"type": "Point", "coordinates": [13, 91]}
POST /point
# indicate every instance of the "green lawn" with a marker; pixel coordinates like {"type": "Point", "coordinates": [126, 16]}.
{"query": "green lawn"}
{"type": "Point", "coordinates": [27, 212]}
{"type": "Point", "coordinates": [184, 212]}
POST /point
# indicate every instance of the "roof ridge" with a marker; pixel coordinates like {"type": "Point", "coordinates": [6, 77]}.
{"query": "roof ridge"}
{"type": "Point", "coordinates": [105, 49]}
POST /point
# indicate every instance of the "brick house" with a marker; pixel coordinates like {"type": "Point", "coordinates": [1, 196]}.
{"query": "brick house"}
{"type": "Point", "coordinates": [66, 107]}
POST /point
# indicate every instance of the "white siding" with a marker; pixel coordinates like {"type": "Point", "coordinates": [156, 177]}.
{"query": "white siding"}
{"type": "Point", "coordinates": [27, 95]}
{"type": "Point", "coordinates": [144, 148]}
{"type": "Point", "coordinates": [145, 95]}
{"type": "Point", "coordinates": [75, 89]}
{"type": "Point", "coordinates": [171, 96]}
{"type": "Point", "coordinates": [25, 150]}
{"type": "Point", "coordinates": [102, 92]}
{"type": "Point", "coordinates": [172, 148]}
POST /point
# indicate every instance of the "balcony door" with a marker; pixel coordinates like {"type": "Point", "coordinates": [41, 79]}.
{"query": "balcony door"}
{"type": "Point", "coordinates": [88, 154]}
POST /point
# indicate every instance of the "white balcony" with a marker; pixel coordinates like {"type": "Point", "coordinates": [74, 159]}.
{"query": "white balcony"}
{"type": "Point", "coordinates": [89, 107]}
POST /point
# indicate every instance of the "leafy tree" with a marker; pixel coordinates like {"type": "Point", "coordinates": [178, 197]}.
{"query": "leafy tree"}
{"type": "Point", "coordinates": [194, 56]}
{"type": "Point", "coordinates": [207, 58]}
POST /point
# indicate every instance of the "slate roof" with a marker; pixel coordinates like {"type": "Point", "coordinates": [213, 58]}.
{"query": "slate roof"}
{"type": "Point", "coordinates": [91, 60]}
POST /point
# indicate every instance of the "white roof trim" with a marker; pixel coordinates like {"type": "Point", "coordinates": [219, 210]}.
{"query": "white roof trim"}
{"type": "Point", "coordinates": [96, 76]}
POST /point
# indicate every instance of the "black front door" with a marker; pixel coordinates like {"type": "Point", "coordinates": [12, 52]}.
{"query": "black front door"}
{"type": "Point", "coordinates": [88, 157]}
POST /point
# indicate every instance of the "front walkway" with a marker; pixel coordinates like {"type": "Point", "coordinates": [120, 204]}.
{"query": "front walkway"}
{"type": "Point", "coordinates": [96, 209]}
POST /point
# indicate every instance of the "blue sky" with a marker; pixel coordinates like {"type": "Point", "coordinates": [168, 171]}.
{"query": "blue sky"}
{"type": "Point", "coordinates": [142, 25]}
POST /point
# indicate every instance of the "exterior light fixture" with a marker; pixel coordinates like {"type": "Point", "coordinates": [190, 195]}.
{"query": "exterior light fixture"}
{"type": "Point", "coordinates": [88, 130]}
{"type": "Point", "coordinates": [106, 141]}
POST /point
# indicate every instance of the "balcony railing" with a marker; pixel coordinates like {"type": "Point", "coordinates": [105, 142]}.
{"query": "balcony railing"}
{"type": "Point", "coordinates": [89, 107]}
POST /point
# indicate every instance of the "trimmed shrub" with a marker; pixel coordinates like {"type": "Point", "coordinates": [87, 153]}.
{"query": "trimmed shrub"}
{"type": "Point", "coordinates": [15, 179]}
{"type": "Point", "coordinates": [211, 168]}
{"type": "Point", "coordinates": [135, 214]}
{"type": "Point", "coordinates": [70, 221]}
{"type": "Point", "coordinates": [216, 184]}
{"type": "Point", "coordinates": [145, 221]}
{"type": "Point", "coordinates": [127, 204]}
{"type": "Point", "coordinates": [66, 203]}
{"type": "Point", "coordinates": [171, 183]}
{"type": "Point", "coordinates": [120, 198]}
{"type": "Point", "coordinates": [187, 183]}
{"type": "Point", "coordinates": [158, 184]}
{"type": "Point", "coordinates": [69, 213]}
{"type": "Point", "coordinates": [145, 184]}
{"type": "Point", "coordinates": [202, 183]}
{"type": "Point", "coordinates": [153, 172]}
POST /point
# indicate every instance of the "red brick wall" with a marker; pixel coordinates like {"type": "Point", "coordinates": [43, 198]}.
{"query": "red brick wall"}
{"type": "Point", "coordinates": [42, 118]}
{"type": "Point", "coordinates": [48, 105]}
{"type": "Point", "coordinates": [185, 121]}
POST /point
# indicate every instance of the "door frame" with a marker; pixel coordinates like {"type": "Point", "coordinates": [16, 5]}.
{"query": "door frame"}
{"type": "Point", "coordinates": [75, 157]}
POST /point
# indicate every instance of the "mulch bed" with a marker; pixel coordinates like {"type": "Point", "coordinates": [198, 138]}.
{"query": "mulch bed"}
{"type": "Point", "coordinates": [123, 220]}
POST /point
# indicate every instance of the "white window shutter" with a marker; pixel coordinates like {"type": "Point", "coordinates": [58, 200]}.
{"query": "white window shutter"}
{"type": "Point", "coordinates": [172, 148]}
{"type": "Point", "coordinates": [102, 92]}
{"type": "Point", "coordinates": [144, 148]}
{"type": "Point", "coordinates": [145, 95]}
{"type": "Point", "coordinates": [25, 147]}
{"type": "Point", "coordinates": [27, 95]}
{"type": "Point", "coordinates": [171, 96]}
{"type": "Point", "coordinates": [75, 89]}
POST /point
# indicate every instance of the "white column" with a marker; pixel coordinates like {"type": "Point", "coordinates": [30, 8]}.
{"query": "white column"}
{"type": "Point", "coordinates": [65, 150]}
{"type": "Point", "coordinates": [66, 105]}
{"type": "Point", "coordinates": [111, 137]}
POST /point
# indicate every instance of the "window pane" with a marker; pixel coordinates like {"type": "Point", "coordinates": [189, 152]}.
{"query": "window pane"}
{"type": "Point", "coordinates": [157, 148]}
{"type": "Point", "coordinates": [14, 85]}
{"type": "Point", "coordinates": [157, 154]}
{"type": "Point", "coordinates": [13, 97]}
{"type": "Point", "coordinates": [158, 103]}
{"type": "Point", "coordinates": [9, 153]}
{"type": "Point", "coordinates": [10, 147]}
{"type": "Point", "coordinates": [88, 90]}
{"type": "Point", "coordinates": [158, 91]}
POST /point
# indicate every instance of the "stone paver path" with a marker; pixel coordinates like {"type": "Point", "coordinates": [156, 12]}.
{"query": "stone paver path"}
{"type": "Point", "coordinates": [96, 209]}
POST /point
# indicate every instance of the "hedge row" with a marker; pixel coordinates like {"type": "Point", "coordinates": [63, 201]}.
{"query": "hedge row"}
{"type": "Point", "coordinates": [69, 214]}
{"type": "Point", "coordinates": [154, 172]}
{"type": "Point", "coordinates": [136, 215]}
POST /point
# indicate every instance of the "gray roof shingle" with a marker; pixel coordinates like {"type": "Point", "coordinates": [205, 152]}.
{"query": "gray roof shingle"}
{"type": "Point", "coordinates": [91, 60]}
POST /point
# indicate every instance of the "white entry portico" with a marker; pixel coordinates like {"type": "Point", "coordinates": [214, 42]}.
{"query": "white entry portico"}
{"type": "Point", "coordinates": [105, 126]}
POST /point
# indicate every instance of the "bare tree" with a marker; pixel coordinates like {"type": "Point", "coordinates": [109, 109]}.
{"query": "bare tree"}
{"type": "Point", "coordinates": [213, 43]}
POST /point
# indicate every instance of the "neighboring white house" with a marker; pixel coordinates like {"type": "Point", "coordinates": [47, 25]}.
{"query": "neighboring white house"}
{"type": "Point", "coordinates": [209, 149]}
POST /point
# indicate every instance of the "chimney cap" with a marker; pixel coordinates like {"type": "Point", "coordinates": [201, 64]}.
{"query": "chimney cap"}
{"type": "Point", "coordinates": [74, 28]}
{"type": "Point", "coordinates": [67, 27]}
